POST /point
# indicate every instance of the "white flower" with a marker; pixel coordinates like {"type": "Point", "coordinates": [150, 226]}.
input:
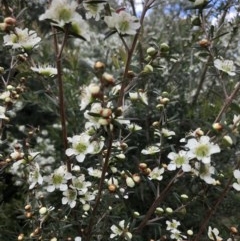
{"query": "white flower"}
{"type": "Point", "coordinates": [94, 172]}
{"type": "Point", "coordinates": [176, 235]}
{"type": "Point", "coordinates": [226, 66]}
{"type": "Point", "coordinates": [167, 133]}
{"type": "Point", "coordinates": [87, 197]}
{"type": "Point", "coordinates": [47, 70]}
{"type": "Point", "coordinates": [180, 159]}
{"type": "Point", "coordinates": [96, 108]}
{"type": "Point", "coordinates": [60, 11]}
{"type": "Point", "coordinates": [70, 196]}
{"type": "Point", "coordinates": [140, 95]}
{"type": "Point", "coordinates": [123, 22]}
{"type": "Point", "coordinates": [22, 38]}
{"type": "Point", "coordinates": [35, 176]}
{"type": "Point", "coordinates": [213, 234]}
{"type": "Point", "coordinates": [58, 180]}
{"type": "Point", "coordinates": [172, 225]}
{"type": "Point", "coordinates": [202, 149]}
{"type": "Point", "coordinates": [150, 150]}
{"type": "Point", "coordinates": [236, 120]}
{"type": "Point", "coordinates": [80, 184]}
{"type": "Point", "coordinates": [205, 172]}
{"type": "Point", "coordinates": [81, 146]}
{"type": "Point", "coordinates": [93, 10]}
{"type": "Point", "coordinates": [78, 239]}
{"type": "Point", "coordinates": [121, 230]}
{"type": "Point", "coordinates": [156, 173]}
{"type": "Point", "coordinates": [236, 185]}
{"type": "Point", "coordinates": [63, 12]}
{"type": "Point", "coordinates": [134, 127]}
{"type": "Point", "coordinates": [2, 112]}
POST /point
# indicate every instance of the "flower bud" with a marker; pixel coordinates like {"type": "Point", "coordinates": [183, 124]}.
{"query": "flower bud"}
{"type": "Point", "coordinates": [99, 66]}
{"type": "Point", "coordinates": [146, 171]}
{"type": "Point", "coordinates": [184, 196]}
{"type": "Point", "coordinates": [204, 43]}
{"type": "Point", "coordinates": [130, 182]}
{"type": "Point", "coordinates": [86, 207]}
{"type": "Point", "coordinates": [28, 207]}
{"type": "Point", "coordinates": [227, 140]}
{"type": "Point", "coordinates": [190, 232]}
{"type": "Point", "coordinates": [217, 126]}
{"type": "Point", "coordinates": [151, 51]}
{"type": "Point", "coordinates": [112, 188]}
{"type": "Point", "coordinates": [136, 214]}
{"type": "Point", "coordinates": [28, 214]}
{"type": "Point", "coordinates": [159, 211]}
{"type": "Point", "coordinates": [142, 166]}
{"type": "Point", "coordinates": [94, 90]}
{"type": "Point", "coordinates": [121, 156]}
{"type": "Point", "coordinates": [106, 112]}
{"type": "Point", "coordinates": [43, 210]}
{"type": "Point", "coordinates": [233, 230]}
{"type": "Point", "coordinates": [108, 79]}
{"type": "Point", "coordinates": [136, 178]}
{"type": "Point", "coordinates": [164, 47]}
{"type": "Point", "coordinates": [10, 21]}
{"type": "Point", "coordinates": [1, 70]}
{"type": "Point", "coordinates": [148, 68]}
{"type": "Point", "coordinates": [20, 237]}
{"type": "Point", "coordinates": [169, 210]}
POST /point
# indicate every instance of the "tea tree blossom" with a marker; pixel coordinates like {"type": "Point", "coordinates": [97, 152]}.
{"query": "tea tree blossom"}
{"type": "Point", "coordinates": [151, 150]}
{"type": "Point", "coordinates": [80, 184]}
{"type": "Point", "coordinates": [22, 38]}
{"type": "Point", "coordinates": [123, 22]}
{"type": "Point", "coordinates": [58, 180]}
{"type": "Point", "coordinates": [2, 112]}
{"type": "Point", "coordinates": [121, 230]}
{"type": "Point", "coordinates": [226, 66]}
{"type": "Point", "coordinates": [69, 197]}
{"type": "Point", "coordinates": [205, 172]}
{"type": "Point", "coordinates": [172, 225]}
{"type": "Point", "coordinates": [167, 133]}
{"type": "Point", "coordinates": [47, 70]}
{"type": "Point", "coordinates": [236, 185]}
{"type": "Point", "coordinates": [93, 10]}
{"type": "Point", "coordinates": [35, 176]}
{"type": "Point", "coordinates": [202, 149]}
{"type": "Point", "coordinates": [81, 146]}
{"type": "Point", "coordinates": [180, 159]}
{"type": "Point", "coordinates": [213, 234]}
{"type": "Point", "coordinates": [156, 174]}
{"type": "Point", "coordinates": [60, 11]}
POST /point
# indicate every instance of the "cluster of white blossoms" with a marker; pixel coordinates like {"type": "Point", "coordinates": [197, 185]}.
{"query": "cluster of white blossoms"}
{"type": "Point", "coordinates": [200, 150]}
{"type": "Point", "coordinates": [172, 227]}
{"type": "Point", "coordinates": [63, 13]}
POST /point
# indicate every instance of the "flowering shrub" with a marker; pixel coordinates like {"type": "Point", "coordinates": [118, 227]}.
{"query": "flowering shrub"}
{"type": "Point", "coordinates": [119, 124]}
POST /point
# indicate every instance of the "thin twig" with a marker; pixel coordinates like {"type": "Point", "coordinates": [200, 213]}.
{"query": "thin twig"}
{"type": "Point", "coordinates": [88, 230]}
{"type": "Point", "coordinates": [215, 206]}
{"type": "Point", "coordinates": [157, 201]}
{"type": "Point", "coordinates": [58, 53]}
